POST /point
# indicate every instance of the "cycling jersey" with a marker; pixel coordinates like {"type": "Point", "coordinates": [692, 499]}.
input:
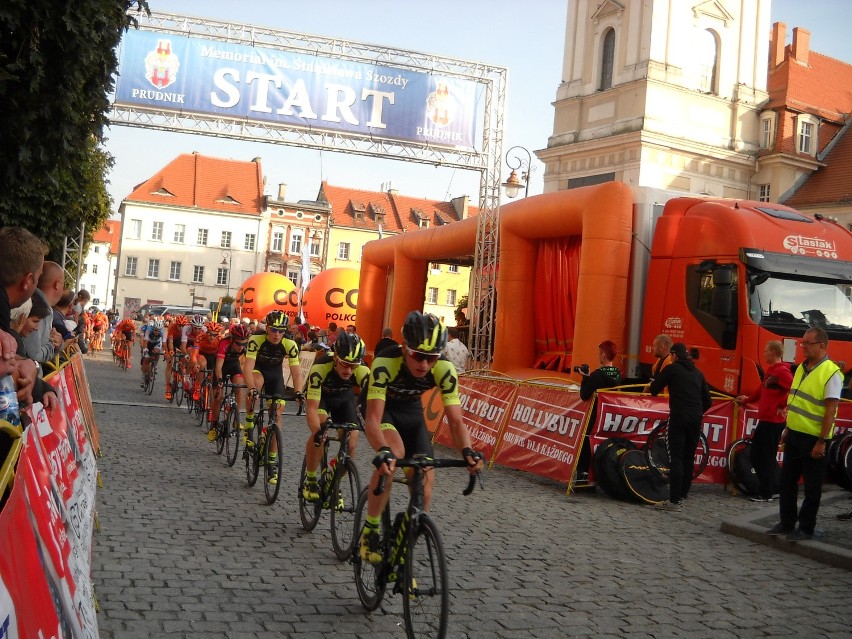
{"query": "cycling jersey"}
{"type": "Point", "coordinates": [391, 381]}
{"type": "Point", "coordinates": [154, 339]}
{"type": "Point", "coordinates": [208, 343]}
{"type": "Point", "coordinates": [269, 356]}
{"type": "Point", "coordinates": [230, 358]}
{"type": "Point", "coordinates": [323, 380]}
{"type": "Point", "coordinates": [189, 336]}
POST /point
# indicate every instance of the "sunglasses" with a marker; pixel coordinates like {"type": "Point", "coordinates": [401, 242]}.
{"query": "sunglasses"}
{"type": "Point", "coordinates": [350, 366]}
{"type": "Point", "coordinates": [277, 330]}
{"type": "Point", "coordinates": [424, 357]}
{"type": "Point", "coordinates": [240, 343]}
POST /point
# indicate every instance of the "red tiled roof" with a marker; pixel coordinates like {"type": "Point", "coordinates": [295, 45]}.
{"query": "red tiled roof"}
{"type": "Point", "coordinates": [400, 211]}
{"type": "Point", "coordinates": [829, 184]}
{"type": "Point", "coordinates": [823, 87]}
{"type": "Point", "coordinates": [110, 234]}
{"type": "Point", "coordinates": [196, 181]}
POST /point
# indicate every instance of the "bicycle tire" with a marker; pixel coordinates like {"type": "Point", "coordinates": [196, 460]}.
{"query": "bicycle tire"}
{"type": "Point", "coordinates": [221, 434]}
{"type": "Point", "coordinates": [342, 499]}
{"type": "Point", "coordinates": [203, 405]}
{"type": "Point", "coordinates": [309, 511]}
{"type": "Point", "coordinates": [232, 436]}
{"type": "Point", "coordinates": [271, 490]}
{"type": "Point", "coordinates": [738, 466]}
{"type": "Point", "coordinates": [657, 452]}
{"type": "Point", "coordinates": [642, 483]}
{"type": "Point", "coordinates": [605, 460]}
{"type": "Point", "coordinates": [151, 377]}
{"type": "Point", "coordinates": [370, 579]}
{"type": "Point", "coordinates": [177, 390]}
{"type": "Point", "coordinates": [252, 456]}
{"type": "Point", "coordinates": [425, 591]}
{"type": "Point", "coordinates": [837, 456]}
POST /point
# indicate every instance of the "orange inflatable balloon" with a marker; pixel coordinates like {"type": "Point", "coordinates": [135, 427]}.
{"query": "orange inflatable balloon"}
{"type": "Point", "coordinates": [265, 292]}
{"type": "Point", "coordinates": [332, 296]}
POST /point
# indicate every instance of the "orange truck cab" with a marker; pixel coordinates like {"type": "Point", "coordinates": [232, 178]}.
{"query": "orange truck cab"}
{"type": "Point", "coordinates": [727, 276]}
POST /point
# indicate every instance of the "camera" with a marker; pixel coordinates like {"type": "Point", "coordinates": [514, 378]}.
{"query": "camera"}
{"type": "Point", "coordinates": [583, 369]}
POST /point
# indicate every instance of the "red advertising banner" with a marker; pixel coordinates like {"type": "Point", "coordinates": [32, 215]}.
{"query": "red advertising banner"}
{"type": "Point", "coordinates": [486, 403]}
{"type": "Point", "coordinates": [633, 417]}
{"type": "Point", "coordinates": [544, 432]}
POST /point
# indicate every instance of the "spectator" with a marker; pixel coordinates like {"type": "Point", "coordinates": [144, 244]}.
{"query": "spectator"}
{"type": "Point", "coordinates": [42, 345]}
{"type": "Point", "coordinates": [606, 376]}
{"type": "Point", "coordinates": [771, 398]}
{"type": "Point", "coordinates": [811, 411]}
{"type": "Point", "coordinates": [24, 320]}
{"type": "Point", "coordinates": [386, 341]}
{"type": "Point", "coordinates": [350, 328]}
{"type": "Point", "coordinates": [689, 399]}
{"type": "Point", "coordinates": [61, 310]}
{"type": "Point", "coordinates": [80, 300]}
{"type": "Point", "coordinates": [456, 351]}
{"type": "Point", "coordinates": [331, 334]}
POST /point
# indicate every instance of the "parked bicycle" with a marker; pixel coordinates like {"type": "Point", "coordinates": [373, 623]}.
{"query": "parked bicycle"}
{"type": "Point", "coordinates": [259, 442]}
{"type": "Point", "coordinates": [413, 558]}
{"type": "Point", "coordinates": [339, 488]}
{"type": "Point", "coordinates": [657, 451]}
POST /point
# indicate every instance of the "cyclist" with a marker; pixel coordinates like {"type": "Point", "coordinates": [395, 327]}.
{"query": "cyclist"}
{"type": "Point", "coordinates": [394, 424]}
{"type": "Point", "coordinates": [152, 346]}
{"type": "Point", "coordinates": [174, 335]}
{"type": "Point", "coordinates": [100, 324]}
{"type": "Point", "coordinates": [229, 357]}
{"type": "Point", "coordinates": [189, 343]}
{"type": "Point", "coordinates": [124, 334]}
{"type": "Point", "coordinates": [331, 383]}
{"type": "Point", "coordinates": [263, 368]}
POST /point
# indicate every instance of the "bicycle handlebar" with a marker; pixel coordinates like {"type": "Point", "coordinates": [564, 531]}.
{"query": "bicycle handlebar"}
{"type": "Point", "coordinates": [328, 424]}
{"type": "Point", "coordinates": [425, 462]}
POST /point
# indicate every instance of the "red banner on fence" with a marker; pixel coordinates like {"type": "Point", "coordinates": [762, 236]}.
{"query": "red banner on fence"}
{"type": "Point", "coordinates": [544, 432]}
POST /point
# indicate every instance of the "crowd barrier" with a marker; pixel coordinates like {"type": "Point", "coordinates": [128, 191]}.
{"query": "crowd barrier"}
{"type": "Point", "coordinates": [537, 425]}
{"type": "Point", "coordinates": [47, 491]}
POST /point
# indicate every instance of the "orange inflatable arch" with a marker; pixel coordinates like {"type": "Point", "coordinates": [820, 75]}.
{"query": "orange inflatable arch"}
{"type": "Point", "coordinates": [394, 269]}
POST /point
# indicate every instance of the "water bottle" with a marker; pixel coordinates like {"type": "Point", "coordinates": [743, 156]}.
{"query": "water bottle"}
{"type": "Point", "coordinates": [328, 471]}
{"type": "Point", "coordinates": [9, 401]}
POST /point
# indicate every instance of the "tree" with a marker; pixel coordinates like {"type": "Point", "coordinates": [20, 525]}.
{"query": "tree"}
{"type": "Point", "coordinates": [57, 63]}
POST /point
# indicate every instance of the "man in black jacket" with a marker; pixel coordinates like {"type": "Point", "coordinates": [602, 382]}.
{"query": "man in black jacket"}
{"type": "Point", "coordinates": [689, 399]}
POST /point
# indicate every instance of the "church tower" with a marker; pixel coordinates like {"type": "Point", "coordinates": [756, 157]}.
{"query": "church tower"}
{"type": "Point", "coordinates": [660, 93]}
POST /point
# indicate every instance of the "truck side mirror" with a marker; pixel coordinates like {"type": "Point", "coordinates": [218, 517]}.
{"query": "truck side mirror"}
{"type": "Point", "coordinates": [722, 300]}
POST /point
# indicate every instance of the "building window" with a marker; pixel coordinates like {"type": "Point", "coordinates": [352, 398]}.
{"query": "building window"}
{"type": "Point", "coordinates": [315, 247]}
{"type": "Point", "coordinates": [343, 251]}
{"type": "Point", "coordinates": [222, 276]}
{"type": "Point", "coordinates": [453, 268]}
{"type": "Point", "coordinates": [180, 233]}
{"type": "Point", "coordinates": [225, 242]}
{"type": "Point", "coordinates": [135, 231]}
{"type": "Point", "coordinates": [767, 130]}
{"type": "Point", "coordinates": [807, 134]}
{"type": "Point", "coordinates": [293, 276]}
{"type": "Point", "coordinates": [432, 295]}
{"type": "Point", "coordinates": [434, 267]}
{"type": "Point", "coordinates": [174, 271]}
{"type": "Point", "coordinates": [277, 241]}
{"type": "Point", "coordinates": [92, 289]}
{"type": "Point", "coordinates": [763, 194]}
{"type": "Point", "coordinates": [707, 58]}
{"type": "Point", "coordinates": [451, 297]}
{"type": "Point", "coordinates": [296, 242]}
{"type": "Point", "coordinates": [94, 270]}
{"type": "Point", "coordinates": [250, 241]}
{"type": "Point", "coordinates": [97, 250]}
{"type": "Point", "coordinates": [157, 232]}
{"type": "Point", "coordinates": [202, 237]}
{"type": "Point", "coordinates": [154, 268]}
{"type": "Point", "coordinates": [607, 60]}
{"type": "Point", "coordinates": [85, 268]}
{"type": "Point", "coordinates": [197, 274]}
{"type": "Point", "coordinates": [130, 266]}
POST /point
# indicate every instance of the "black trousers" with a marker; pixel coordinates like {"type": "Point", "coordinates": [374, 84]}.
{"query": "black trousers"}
{"type": "Point", "coordinates": [764, 455]}
{"type": "Point", "coordinates": [799, 463]}
{"type": "Point", "coordinates": [684, 432]}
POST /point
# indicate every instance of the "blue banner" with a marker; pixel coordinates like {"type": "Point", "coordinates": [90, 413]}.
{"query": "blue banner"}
{"type": "Point", "coordinates": [188, 74]}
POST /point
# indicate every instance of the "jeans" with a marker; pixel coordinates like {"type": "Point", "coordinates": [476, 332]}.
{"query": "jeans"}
{"type": "Point", "coordinates": [684, 433]}
{"type": "Point", "coordinates": [764, 455]}
{"type": "Point", "coordinates": [799, 463]}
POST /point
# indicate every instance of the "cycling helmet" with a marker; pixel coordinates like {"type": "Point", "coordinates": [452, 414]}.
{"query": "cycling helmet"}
{"type": "Point", "coordinates": [181, 321]}
{"type": "Point", "coordinates": [240, 332]}
{"type": "Point", "coordinates": [277, 319]}
{"type": "Point", "coordinates": [349, 347]}
{"type": "Point", "coordinates": [213, 328]}
{"type": "Point", "coordinates": [158, 324]}
{"type": "Point", "coordinates": [197, 321]}
{"type": "Point", "coordinates": [424, 332]}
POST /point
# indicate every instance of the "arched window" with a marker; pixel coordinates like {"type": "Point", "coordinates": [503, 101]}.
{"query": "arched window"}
{"type": "Point", "coordinates": [707, 59]}
{"type": "Point", "coordinates": [607, 60]}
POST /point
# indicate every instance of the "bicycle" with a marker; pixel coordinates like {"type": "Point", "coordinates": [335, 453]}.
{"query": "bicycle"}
{"type": "Point", "coordinates": [228, 429]}
{"type": "Point", "coordinates": [154, 360]}
{"type": "Point", "coordinates": [178, 378]}
{"type": "Point", "coordinates": [413, 556]}
{"type": "Point", "coordinates": [122, 355]}
{"type": "Point", "coordinates": [205, 399]}
{"type": "Point", "coordinates": [657, 451]}
{"type": "Point", "coordinates": [258, 442]}
{"type": "Point", "coordinates": [339, 488]}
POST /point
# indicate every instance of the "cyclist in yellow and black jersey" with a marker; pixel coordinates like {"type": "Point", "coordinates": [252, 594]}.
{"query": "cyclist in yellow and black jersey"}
{"type": "Point", "coordinates": [263, 368]}
{"type": "Point", "coordinates": [394, 425]}
{"type": "Point", "coordinates": [331, 392]}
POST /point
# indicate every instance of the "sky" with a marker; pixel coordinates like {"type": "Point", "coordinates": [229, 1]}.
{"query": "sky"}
{"type": "Point", "coordinates": [526, 38]}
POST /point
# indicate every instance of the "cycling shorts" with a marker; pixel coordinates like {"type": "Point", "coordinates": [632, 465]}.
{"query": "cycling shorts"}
{"type": "Point", "coordinates": [273, 380]}
{"type": "Point", "coordinates": [231, 368]}
{"type": "Point", "coordinates": [406, 418]}
{"type": "Point", "coordinates": [341, 409]}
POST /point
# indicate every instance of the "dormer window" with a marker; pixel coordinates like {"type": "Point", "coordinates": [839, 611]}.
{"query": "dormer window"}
{"type": "Point", "coordinates": [358, 209]}
{"type": "Point", "coordinates": [163, 191]}
{"type": "Point", "coordinates": [421, 218]}
{"type": "Point", "coordinates": [228, 200]}
{"type": "Point", "coordinates": [806, 136]}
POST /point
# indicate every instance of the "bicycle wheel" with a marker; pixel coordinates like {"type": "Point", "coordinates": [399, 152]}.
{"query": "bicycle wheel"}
{"type": "Point", "coordinates": [203, 405]}
{"type": "Point", "coordinates": [221, 434]}
{"type": "Point", "coordinates": [177, 389]}
{"type": "Point", "coordinates": [232, 436]}
{"type": "Point", "coordinates": [657, 451]}
{"type": "Point", "coordinates": [309, 511]}
{"type": "Point", "coordinates": [342, 499]}
{"type": "Point", "coordinates": [370, 579]}
{"type": "Point", "coordinates": [251, 455]}
{"type": "Point", "coordinates": [151, 378]}
{"type": "Point", "coordinates": [740, 471]}
{"type": "Point", "coordinates": [273, 468]}
{"type": "Point", "coordinates": [425, 594]}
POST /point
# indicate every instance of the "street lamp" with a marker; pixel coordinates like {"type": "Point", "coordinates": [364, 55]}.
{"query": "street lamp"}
{"type": "Point", "coordinates": [514, 183]}
{"type": "Point", "coordinates": [226, 261]}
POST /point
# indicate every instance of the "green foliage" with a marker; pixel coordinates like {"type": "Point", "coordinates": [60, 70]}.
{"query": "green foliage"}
{"type": "Point", "coordinates": [57, 62]}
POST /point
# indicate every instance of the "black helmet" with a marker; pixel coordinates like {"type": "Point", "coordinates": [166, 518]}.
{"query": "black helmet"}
{"type": "Point", "coordinates": [277, 319]}
{"type": "Point", "coordinates": [424, 332]}
{"type": "Point", "coordinates": [349, 347]}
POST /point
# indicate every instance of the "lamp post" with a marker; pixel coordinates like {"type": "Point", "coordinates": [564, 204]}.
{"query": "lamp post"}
{"type": "Point", "coordinates": [226, 261]}
{"type": "Point", "coordinates": [514, 183]}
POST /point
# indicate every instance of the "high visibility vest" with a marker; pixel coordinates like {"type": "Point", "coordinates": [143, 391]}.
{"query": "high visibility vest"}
{"type": "Point", "coordinates": [806, 401]}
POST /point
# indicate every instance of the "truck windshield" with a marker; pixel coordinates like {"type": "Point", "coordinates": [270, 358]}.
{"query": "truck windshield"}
{"type": "Point", "coordinates": [787, 306]}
